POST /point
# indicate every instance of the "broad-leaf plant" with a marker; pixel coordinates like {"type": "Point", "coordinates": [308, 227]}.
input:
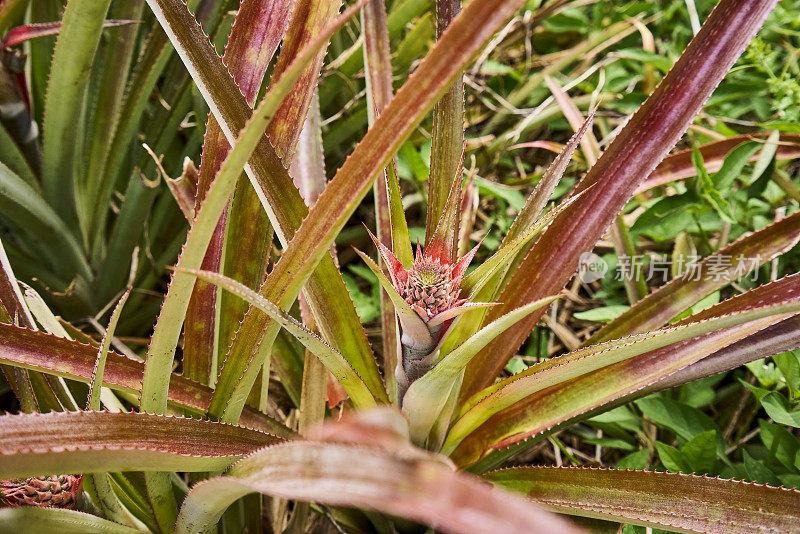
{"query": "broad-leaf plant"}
{"type": "Point", "coordinates": [108, 439]}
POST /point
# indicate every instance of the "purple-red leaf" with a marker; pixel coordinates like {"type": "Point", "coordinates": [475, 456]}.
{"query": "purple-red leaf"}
{"type": "Point", "coordinates": [635, 152]}
{"type": "Point", "coordinates": [255, 36]}
{"type": "Point", "coordinates": [661, 500]}
{"type": "Point", "coordinates": [535, 410]}
{"type": "Point", "coordinates": [718, 270]}
{"type": "Point", "coordinates": [98, 442]}
{"type": "Point", "coordinates": [679, 165]}
{"type": "Point", "coordinates": [20, 34]}
{"type": "Point", "coordinates": [73, 360]}
{"type": "Point", "coordinates": [390, 476]}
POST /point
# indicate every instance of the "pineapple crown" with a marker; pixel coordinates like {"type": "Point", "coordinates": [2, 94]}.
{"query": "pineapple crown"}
{"type": "Point", "coordinates": [57, 491]}
{"type": "Point", "coordinates": [432, 284]}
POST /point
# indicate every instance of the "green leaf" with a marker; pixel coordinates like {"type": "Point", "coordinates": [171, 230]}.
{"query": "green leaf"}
{"type": "Point", "coordinates": [367, 307]}
{"type": "Point", "coordinates": [766, 156]}
{"type": "Point", "coordinates": [700, 452]}
{"type": "Point", "coordinates": [778, 408]}
{"type": "Point", "coordinates": [672, 458]}
{"type": "Point", "coordinates": [707, 190]}
{"type": "Point", "coordinates": [789, 365]}
{"type": "Point", "coordinates": [758, 472]}
{"type": "Point", "coordinates": [666, 218]}
{"type": "Point", "coordinates": [45, 232]}
{"type": "Point", "coordinates": [781, 444]}
{"type": "Point", "coordinates": [733, 165]}
{"type": "Point", "coordinates": [685, 421]}
{"type": "Point", "coordinates": [513, 197]}
{"type": "Point", "coordinates": [648, 58]}
{"type": "Point", "coordinates": [634, 460]}
{"type": "Point", "coordinates": [602, 314]}
{"type": "Point", "coordinates": [75, 48]}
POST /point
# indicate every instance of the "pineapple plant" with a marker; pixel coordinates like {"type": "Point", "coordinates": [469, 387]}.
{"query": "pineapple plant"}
{"type": "Point", "coordinates": [429, 423]}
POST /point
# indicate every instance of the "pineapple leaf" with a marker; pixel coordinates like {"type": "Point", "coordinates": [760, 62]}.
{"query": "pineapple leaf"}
{"type": "Point", "coordinates": [35, 519]}
{"type": "Point", "coordinates": [633, 154]}
{"type": "Point", "coordinates": [640, 362]}
{"type": "Point", "coordinates": [97, 442]}
{"type": "Point", "coordinates": [95, 386]}
{"type": "Point", "coordinates": [714, 272]}
{"type": "Point", "coordinates": [664, 500]}
{"type": "Point", "coordinates": [426, 397]}
{"type": "Point", "coordinates": [390, 476]}
{"type": "Point", "coordinates": [334, 361]}
{"type": "Point", "coordinates": [27, 349]}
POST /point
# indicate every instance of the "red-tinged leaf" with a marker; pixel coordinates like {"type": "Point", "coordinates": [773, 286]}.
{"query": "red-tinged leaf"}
{"type": "Point", "coordinates": [447, 146]}
{"type": "Point", "coordinates": [325, 289]}
{"type": "Point", "coordinates": [10, 295]}
{"type": "Point", "coordinates": [780, 337]}
{"type": "Point", "coordinates": [308, 170]}
{"type": "Point", "coordinates": [332, 359]}
{"type": "Point", "coordinates": [307, 21]}
{"type": "Point", "coordinates": [458, 45]}
{"type": "Point", "coordinates": [589, 145]}
{"type": "Point", "coordinates": [662, 500]}
{"type": "Point", "coordinates": [753, 304]}
{"type": "Point", "coordinates": [716, 271]}
{"type": "Point", "coordinates": [390, 476]}
{"type": "Point", "coordinates": [630, 158]}
{"type": "Point", "coordinates": [397, 272]}
{"type": "Point", "coordinates": [775, 339]}
{"type": "Point", "coordinates": [14, 310]}
{"type": "Point", "coordinates": [679, 165]}
{"type": "Point", "coordinates": [184, 188]}
{"type": "Point", "coordinates": [443, 242]}
{"type": "Point", "coordinates": [543, 410]}
{"type": "Point", "coordinates": [11, 12]}
{"type": "Point", "coordinates": [541, 194]}
{"type": "Point", "coordinates": [98, 442]}
{"type": "Point", "coordinates": [766, 301]}
{"type": "Point", "coordinates": [378, 74]}
{"type": "Point", "coordinates": [256, 34]}
{"type": "Point", "coordinates": [785, 288]}
{"type": "Point", "coordinates": [20, 34]}
{"type": "Point", "coordinates": [165, 336]}
{"type": "Point", "coordinates": [37, 351]}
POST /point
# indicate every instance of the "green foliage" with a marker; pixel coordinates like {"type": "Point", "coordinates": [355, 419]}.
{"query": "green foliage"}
{"type": "Point", "coordinates": [99, 205]}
